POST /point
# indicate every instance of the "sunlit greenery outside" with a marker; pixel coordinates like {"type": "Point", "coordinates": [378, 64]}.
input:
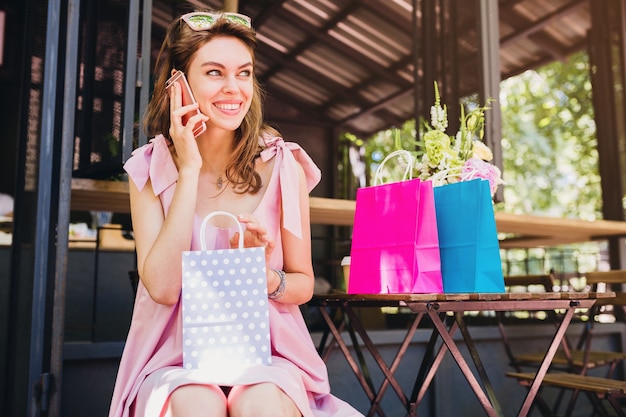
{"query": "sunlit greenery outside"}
{"type": "Point", "coordinates": [550, 160]}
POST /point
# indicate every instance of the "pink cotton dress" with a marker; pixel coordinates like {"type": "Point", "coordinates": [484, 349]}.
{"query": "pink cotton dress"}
{"type": "Point", "coordinates": [151, 365]}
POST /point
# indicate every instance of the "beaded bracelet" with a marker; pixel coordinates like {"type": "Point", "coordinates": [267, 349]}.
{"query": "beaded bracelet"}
{"type": "Point", "coordinates": [280, 291]}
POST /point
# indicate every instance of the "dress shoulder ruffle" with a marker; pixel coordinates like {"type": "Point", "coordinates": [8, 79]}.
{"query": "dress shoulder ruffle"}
{"type": "Point", "coordinates": [152, 161]}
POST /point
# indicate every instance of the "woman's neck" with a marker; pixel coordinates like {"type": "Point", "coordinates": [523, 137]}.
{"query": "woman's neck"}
{"type": "Point", "coordinates": [215, 150]}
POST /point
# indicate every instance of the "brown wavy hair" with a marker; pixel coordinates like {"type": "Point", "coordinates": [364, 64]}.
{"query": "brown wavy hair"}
{"type": "Point", "coordinates": [178, 49]}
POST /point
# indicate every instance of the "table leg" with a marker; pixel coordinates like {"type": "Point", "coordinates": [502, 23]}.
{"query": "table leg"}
{"type": "Point", "coordinates": [324, 349]}
{"type": "Point", "coordinates": [617, 406]}
{"type": "Point", "coordinates": [547, 360]}
{"type": "Point", "coordinates": [351, 362]}
{"type": "Point", "coordinates": [429, 366]}
{"type": "Point", "coordinates": [424, 381]}
{"type": "Point", "coordinates": [480, 368]}
{"type": "Point", "coordinates": [458, 357]}
{"type": "Point", "coordinates": [387, 371]}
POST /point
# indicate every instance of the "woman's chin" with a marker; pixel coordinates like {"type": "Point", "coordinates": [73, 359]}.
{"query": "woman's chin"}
{"type": "Point", "coordinates": [229, 125]}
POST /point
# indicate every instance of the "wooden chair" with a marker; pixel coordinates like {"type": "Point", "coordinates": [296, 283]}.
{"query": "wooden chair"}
{"type": "Point", "coordinates": [598, 389]}
{"type": "Point", "coordinates": [579, 359]}
{"type": "Point", "coordinates": [530, 283]}
{"type": "Point", "coordinates": [537, 282]}
{"type": "Point", "coordinates": [614, 281]}
{"type": "Point", "coordinates": [542, 280]}
{"type": "Point", "coordinates": [575, 363]}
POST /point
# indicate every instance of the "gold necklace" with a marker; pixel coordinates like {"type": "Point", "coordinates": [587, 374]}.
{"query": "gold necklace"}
{"type": "Point", "coordinates": [219, 193]}
{"type": "Point", "coordinates": [220, 186]}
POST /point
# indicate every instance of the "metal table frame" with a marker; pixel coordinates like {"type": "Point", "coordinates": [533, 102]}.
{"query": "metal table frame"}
{"type": "Point", "coordinates": [436, 307]}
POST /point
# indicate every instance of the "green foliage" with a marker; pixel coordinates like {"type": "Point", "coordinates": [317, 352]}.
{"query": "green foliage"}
{"type": "Point", "coordinates": [549, 143]}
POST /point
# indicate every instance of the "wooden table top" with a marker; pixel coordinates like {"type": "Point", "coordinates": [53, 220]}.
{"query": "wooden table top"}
{"type": "Point", "coordinates": [465, 302]}
{"type": "Point", "coordinates": [522, 230]}
{"type": "Point", "coordinates": [337, 296]}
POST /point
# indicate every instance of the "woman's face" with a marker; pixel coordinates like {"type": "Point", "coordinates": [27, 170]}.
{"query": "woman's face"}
{"type": "Point", "coordinates": [221, 78]}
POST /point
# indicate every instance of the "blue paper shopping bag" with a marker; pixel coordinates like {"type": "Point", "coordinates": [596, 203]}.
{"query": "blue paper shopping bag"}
{"type": "Point", "coordinates": [468, 239]}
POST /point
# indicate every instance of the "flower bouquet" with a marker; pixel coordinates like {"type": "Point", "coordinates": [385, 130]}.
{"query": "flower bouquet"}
{"type": "Point", "coordinates": [450, 159]}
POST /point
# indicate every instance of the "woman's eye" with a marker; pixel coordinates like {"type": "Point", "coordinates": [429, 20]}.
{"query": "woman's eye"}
{"type": "Point", "coordinates": [245, 73]}
{"type": "Point", "coordinates": [213, 72]}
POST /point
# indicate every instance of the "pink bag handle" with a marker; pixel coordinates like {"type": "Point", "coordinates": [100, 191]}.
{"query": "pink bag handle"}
{"type": "Point", "coordinates": [408, 172]}
{"type": "Point", "coordinates": [219, 213]}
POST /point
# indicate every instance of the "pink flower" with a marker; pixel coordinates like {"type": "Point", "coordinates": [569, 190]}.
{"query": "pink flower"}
{"type": "Point", "coordinates": [477, 168]}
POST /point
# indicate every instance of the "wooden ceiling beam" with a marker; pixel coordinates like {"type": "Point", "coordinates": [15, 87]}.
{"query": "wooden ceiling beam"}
{"type": "Point", "coordinates": [523, 28]}
{"type": "Point", "coordinates": [548, 45]}
{"type": "Point", "coordinates": [267, 10]}
{"type": "Point", "coordinates": [351, 95]}
{"type": "Point", "coordinates": [381, 8]}
{"type": "Point", "coordinates": [544, 59]}
{"type": "Point", "coordinates": [314, 34]}
{"type": "Point", "coordinates": [529, 27]}
{"type": "Point", "coordinates": [305, 71]}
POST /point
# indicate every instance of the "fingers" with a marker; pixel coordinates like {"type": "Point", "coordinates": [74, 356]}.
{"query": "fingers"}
{"type": "Point", "coordinates": [269, 248]}
{"type": "Point", "coordinates": [255, 234]}
{"type": "Point", "coordinates": [252, 224]}
{"type": "Point", "coordinates": [234, 240]}
{"type": "Point", "coordinates": [176, 116]}
{"type": "Point", "coordinates": [176, 97]}
{"type": "Point", "coordinates": [183, 119]}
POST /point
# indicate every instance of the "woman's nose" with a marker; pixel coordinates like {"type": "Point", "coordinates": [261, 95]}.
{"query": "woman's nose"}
{"type": "Point", "coordinates": [230, 84]}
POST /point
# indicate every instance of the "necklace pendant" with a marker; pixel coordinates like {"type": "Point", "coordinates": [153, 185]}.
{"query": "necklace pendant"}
{"type": "Point", "coordinates": [220, 182]}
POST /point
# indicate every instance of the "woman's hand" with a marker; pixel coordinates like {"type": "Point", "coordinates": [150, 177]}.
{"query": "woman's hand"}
{"type": "Point", "coordinates": [187, 153]}
{"type": "Point", "coordinates": [254, 236]}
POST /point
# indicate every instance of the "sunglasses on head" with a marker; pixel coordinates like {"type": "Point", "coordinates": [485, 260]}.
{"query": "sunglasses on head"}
{"type": "Point", "coordinates": [204, 21]}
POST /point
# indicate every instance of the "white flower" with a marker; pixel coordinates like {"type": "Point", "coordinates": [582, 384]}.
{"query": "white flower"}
{"type": "Point", "coordinates": [481, 151]}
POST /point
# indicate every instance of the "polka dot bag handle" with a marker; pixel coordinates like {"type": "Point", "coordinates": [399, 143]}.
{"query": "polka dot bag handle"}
{"type": "Point", "coordinates": [219, 213]}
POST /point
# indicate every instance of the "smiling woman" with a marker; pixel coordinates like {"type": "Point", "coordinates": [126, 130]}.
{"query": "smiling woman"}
{"type": "Point", "coordinates": [237, 166]}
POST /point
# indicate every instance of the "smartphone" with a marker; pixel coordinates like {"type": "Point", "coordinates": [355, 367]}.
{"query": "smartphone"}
{"type": "Point", "coordinates": [188, 98]}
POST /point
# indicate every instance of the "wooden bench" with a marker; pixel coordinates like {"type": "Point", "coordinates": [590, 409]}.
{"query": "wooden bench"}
{"type": "Point", "coordinates": [542, 280]}
{"type": "Point", "coordinates": [607, 389]}
{"type": "Point", "coordinates": [614, 281]}
{"type": "Point", "coordinates": [578, 360]}
{"type": "Point", "coordinates": [580, 357]}
{"type": "Point", "coordinates": [531, 283]}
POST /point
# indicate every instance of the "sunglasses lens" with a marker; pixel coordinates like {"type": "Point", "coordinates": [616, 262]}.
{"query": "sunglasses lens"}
{"type": "Point", "coordinates": [199, 22]}
{"type": "Point", "coordinates": [204, 21]}
{"type": "Point", "coordinates": [237, 19]}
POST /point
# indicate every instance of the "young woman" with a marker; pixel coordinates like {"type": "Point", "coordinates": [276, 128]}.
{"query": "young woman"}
{"type": "Point", "coordinates": [237, 165]}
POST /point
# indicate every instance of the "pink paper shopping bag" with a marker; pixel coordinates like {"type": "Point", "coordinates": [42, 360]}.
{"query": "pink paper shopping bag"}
{"type": "Point", "coordinates": [395, 245]}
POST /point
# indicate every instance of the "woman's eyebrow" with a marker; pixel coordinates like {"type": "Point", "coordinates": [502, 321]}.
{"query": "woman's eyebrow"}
{"type": "Point", "coordinates": [217, 64]}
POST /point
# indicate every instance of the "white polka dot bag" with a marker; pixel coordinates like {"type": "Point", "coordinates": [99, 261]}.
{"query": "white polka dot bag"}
{"type": "Point", "coordinates": [225, 306]}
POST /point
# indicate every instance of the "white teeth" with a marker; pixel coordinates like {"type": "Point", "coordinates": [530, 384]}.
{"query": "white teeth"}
{"type": "Point", "coordinates": [227, 106]}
